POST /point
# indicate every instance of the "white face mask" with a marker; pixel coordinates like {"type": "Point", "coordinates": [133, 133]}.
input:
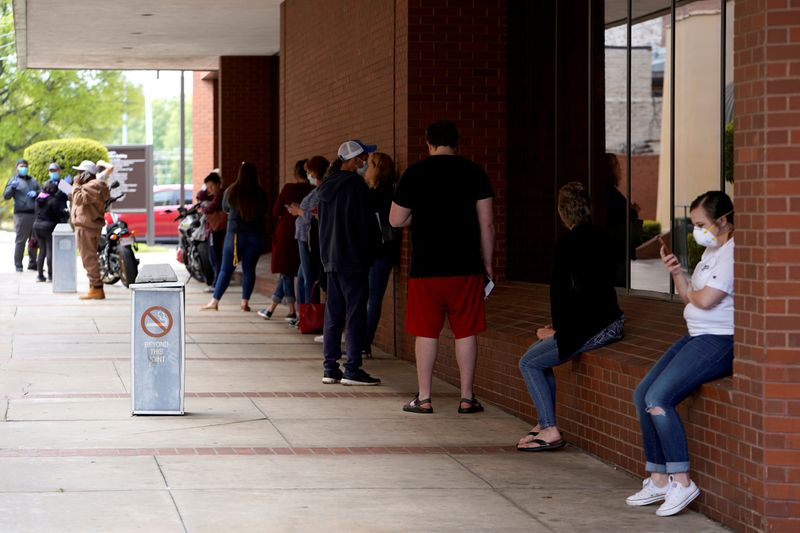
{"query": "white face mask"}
{"type": "Point", "coordinates": [312, 180]}
{"type": "Point", "coordinates": [102, 175]}
{"type": "Point", "coordinates": [705, 238]}
{"type": "Point", "coordinates": [362, 169]}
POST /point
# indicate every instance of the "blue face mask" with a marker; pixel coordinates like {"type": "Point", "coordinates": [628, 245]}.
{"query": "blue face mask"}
{"type": "Point", "coordinates": [54, 176]}
{"type": "Point", "coordinates": [23, 171]}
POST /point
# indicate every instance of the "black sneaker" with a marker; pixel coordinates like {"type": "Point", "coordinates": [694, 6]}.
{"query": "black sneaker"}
{"type": "Point", "coordinates": [332, 377]}
{"type": "Point", "coordinates": [19, 269]}
{"type": "Point", "coordinates": [291, 318]}
{"type": "Point", "coordinates": [361, 379]}
{"type": "Point", "coordinates": [41, 279]}
{"type": "Point", "coordinates": [32, 266]}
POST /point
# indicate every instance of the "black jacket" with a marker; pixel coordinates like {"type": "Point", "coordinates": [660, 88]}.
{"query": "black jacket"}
{"type": "Point", "coordinates": [583, 301]}
{"type": "Point", "coordinates": [347, 227]}
{"type": "Point", "coordinates": [51, 209]}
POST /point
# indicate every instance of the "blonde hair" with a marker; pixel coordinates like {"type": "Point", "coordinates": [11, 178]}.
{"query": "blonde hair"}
{"type": "Point", "coordinates": [573, 204]}
{"type": "Point", "coordinates": [384, 166]}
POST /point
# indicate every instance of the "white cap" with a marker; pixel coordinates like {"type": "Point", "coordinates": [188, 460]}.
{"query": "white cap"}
{"type": "Point", "coordinates": [87, 166]}
{"type": "Point", "coordinates": [104, 164]}
{"type": "Point", "coordinates": [349, 149]}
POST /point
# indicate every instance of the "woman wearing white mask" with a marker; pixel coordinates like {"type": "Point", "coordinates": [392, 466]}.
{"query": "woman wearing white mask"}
{"type": "Point", "coordinates": [704, 355]}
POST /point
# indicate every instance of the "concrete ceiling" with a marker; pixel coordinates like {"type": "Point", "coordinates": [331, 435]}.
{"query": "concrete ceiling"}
{"type": "Point", "coordinates": [143, 34]}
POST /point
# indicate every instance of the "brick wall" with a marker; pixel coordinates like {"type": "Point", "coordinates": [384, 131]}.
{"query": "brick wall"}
{"type": "Point", "coordinates": [767, 195]}
{"type": "Point", "coordinates": [205, 146]}
{"type": "Point", "coordinates": [248, 117]}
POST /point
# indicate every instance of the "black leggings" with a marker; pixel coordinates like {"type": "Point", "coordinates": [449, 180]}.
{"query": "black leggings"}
{"type": "Point", "coordinates": [45, 239]}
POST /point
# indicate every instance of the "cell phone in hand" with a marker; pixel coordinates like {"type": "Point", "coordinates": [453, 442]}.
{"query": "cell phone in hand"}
{"type": "Point", "coordinates": [664, 244]}
{"type": "Point", "coordinates": [488, 287]}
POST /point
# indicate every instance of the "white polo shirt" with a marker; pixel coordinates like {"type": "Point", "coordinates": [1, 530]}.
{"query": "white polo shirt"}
{"type": "Point", "coordinates": [715, 269]}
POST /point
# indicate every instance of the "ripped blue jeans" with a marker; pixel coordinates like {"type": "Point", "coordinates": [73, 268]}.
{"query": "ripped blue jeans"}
{"type": "Point", "coordinates": [688, 363]}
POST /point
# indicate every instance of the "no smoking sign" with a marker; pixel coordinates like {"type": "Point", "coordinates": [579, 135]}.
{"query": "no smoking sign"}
{"type": "Point", "coordinates": [156, 321]}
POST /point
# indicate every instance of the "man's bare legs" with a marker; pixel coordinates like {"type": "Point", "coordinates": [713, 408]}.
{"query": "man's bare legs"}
{"type": "Point", "coordinates": [425, 349]}
{"type": "Point", "coordinates": [466, 356]}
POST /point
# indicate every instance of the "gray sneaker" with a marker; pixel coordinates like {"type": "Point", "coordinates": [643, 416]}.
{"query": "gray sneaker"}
{"type": "Point", "coordinates": [649, 494]}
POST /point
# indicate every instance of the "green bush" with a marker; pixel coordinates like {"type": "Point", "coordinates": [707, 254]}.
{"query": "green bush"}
{"type": "Point", "coordinates": [66, 152]}
{"type": "Point", "coordinates": [650, 228]}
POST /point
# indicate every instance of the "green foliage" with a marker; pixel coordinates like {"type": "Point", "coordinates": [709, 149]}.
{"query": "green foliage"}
{"type": "Point", "coordinates": [50, 104]}
{"type": "Point", "coordinates": [650, 228]}
{"type": "Point", "coordinates": [66, 152]}
{"type": "Point", "coordinates": [729, 151]}
{"type": "Point", "coordinates": [167, 139]}
{"type": "Point", "coordinates": [695, 252]}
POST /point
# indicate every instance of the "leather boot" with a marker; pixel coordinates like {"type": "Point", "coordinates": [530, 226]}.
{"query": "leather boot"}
{"type": "Point", "coordinates": [95, 293]}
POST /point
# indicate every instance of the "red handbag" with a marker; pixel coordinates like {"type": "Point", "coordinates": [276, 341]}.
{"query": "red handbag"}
{"type": "Point", "coordinates": [311, 317]}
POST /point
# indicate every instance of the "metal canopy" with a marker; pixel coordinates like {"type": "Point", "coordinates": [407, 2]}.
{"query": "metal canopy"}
{"type": "Point", "coordinates": [145, 34]}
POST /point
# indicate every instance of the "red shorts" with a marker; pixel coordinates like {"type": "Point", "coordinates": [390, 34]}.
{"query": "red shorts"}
{"type": "Point", "coordinates": [458, 297]}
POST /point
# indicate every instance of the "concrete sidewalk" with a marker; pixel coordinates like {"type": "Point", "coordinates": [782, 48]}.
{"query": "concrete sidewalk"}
{"type": "Point", "coordinates": [265, 446]}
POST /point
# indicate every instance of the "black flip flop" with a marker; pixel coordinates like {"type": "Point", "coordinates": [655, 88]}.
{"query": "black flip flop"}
{"type": "Point", "coordinates": [544, 446]}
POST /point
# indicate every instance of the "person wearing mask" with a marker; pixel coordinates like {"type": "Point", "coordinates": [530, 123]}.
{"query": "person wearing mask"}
{"type": "Point", "coordinates": [583, 308]}
{"type": "Point", "coordinates": [380, 178]}
{"type": "Point", "coordinates": [308, 274]}
{"type": "Point", "coordinates": [447, 200]}
{"type": "Point", "coordinates": [210, 200]}
{"type": "Point", "coordinates": [51, 205]}
{"type": "Point", "coordinates": [24, 189]}
{"type": "Point", "coordinates": [89, 197]}
{"type": "Point", "coordinates": [705, 354]}
{"type": "Point", "coordinates": [346, 235]}
{"type": "Point", "coordinates": [285, 256]}
{"type": "Point", "coordinates": [247, 205]}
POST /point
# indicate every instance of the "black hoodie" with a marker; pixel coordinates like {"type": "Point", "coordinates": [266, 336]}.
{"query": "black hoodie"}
{"type": "Point", "coordinates": [347, 229]}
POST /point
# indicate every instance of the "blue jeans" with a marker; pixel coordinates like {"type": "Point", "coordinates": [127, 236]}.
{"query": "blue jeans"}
{"type": "Point", "coordinates": [216, 240]}
{"type": "Point", "coordinates": [307, 276]}
{"type": "Point", "coordinates": [284, 290]}
{"type": "Point", "coordinates": [688, 363]}
{"type": "Point", "coordinates": [346, 303]}
{"type": "Point", "coordinates": [537, 365]}
{"type": "Point", "coordinates": [248, 251]}
{"type": "Point", "coordinates": [378, 280]}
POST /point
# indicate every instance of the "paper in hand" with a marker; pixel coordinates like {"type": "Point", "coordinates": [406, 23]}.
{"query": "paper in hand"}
{"type": "Point", "coordinates": [65, 187]}
{"type": "Point", "coordinates": [488, 286]}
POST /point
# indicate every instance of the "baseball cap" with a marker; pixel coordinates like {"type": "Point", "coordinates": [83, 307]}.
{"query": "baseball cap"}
{"type": "Point", "coordinates": [22, 161]}
{"type": "Point", "coordinates": [349, 149]}
{"type": "Point", "coordinates": [54, 166]}
{"type": "Point", "coordinates": [87, 166]}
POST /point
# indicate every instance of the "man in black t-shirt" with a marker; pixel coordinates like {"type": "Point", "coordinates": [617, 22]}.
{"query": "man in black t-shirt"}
{"type": "Point", "coordinates": [447, 201]}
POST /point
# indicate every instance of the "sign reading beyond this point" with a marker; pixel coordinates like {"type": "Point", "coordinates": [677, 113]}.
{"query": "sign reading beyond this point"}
{"type": "Point", "coordinates": [156, 321]}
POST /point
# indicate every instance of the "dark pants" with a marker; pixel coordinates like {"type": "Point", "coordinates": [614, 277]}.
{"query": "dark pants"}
{"type": "Point", "coordinates": [378, 280]}
{"type": "Point", "coordinates": [45, 239]}
{"type": "Point", "coordinates": [346, 303]}
{"type": "Point", "coordinates": [307, 276]}
{"type": "Point", "coordinates": [215, 243]}
{"type": "Point", "coordinates": [23, 226]}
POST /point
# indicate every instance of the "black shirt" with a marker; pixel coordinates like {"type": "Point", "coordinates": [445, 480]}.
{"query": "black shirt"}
{"type": "Point", "coordinates": [442, 192]}
{"type": "Point", "coordinates": [583, 301]}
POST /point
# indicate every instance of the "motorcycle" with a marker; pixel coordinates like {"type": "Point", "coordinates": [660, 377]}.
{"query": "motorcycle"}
{"type": "Point", "coordinates": [116, 248]}
{"type": "Point", "coordinates": [193, 249]}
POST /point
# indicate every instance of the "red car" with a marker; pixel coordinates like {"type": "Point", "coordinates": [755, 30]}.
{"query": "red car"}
{"type": "Point", "coordinates": [165, 209]}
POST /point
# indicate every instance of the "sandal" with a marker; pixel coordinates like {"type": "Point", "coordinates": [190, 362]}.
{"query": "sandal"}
{"type": "Point", "coordinates": [544, 446]}
{"type": "Point", "coordinates": [415, 406]}
{"type": "Point", "coordinates": [474, 406]}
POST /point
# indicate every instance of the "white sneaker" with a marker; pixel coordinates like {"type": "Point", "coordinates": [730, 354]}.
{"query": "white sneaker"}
{"type": "Point", "coordinates": [318, 338]}
{"type": "Point", "coordinates": [678, 497]}
{"type": "Point", "coordinates": [649, 494]}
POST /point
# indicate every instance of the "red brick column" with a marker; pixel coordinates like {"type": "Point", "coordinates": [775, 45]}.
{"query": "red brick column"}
{"type": "Point", "coordinates": [767, 199]}
{"type": "Point", "coordinates": [205, 145]}
{"type": "Point", "coordinates": [248, 117]}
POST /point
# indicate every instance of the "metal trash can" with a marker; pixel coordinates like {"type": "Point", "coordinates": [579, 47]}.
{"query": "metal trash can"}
{"type": "Point", "coordinates": [157, 342]}
{"type": "Point", "coordinates": [65, 273]}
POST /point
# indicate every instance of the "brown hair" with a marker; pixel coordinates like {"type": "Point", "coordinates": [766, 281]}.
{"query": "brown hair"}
{"type": "Point", "coordinates": [613, 170]}
{"type": "Point", "coordinates": [573, 204]}
{"type": "Point", "coordinates": [318, 165]}
{"type": "Point", "coordinates": [385, 168]}
{"type": "Point", "coordinates": [245, 193]}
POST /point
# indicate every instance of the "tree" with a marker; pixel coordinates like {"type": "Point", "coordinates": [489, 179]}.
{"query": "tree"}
{"type": "Point", "coordinates": [49, 104]}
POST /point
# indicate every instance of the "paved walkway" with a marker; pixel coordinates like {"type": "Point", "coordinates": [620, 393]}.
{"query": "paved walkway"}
{"type": "Point", "coordinates": [264, 446]}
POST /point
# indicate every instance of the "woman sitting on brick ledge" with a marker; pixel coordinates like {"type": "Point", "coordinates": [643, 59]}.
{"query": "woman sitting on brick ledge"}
{"type": "Point", "coordinates": [704, 355]}
{"type": "Point", "coordinates": [583, 307]}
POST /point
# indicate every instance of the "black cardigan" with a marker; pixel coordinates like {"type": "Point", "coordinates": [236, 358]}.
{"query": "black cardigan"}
{"type": "Point", "coordinates": [583, 301]}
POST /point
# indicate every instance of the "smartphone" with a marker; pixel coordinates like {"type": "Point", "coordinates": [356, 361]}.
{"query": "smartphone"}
{"type": "Point", "coordinates": [664, 244]}
{"type": "Point", "coordinates": [488, 287]}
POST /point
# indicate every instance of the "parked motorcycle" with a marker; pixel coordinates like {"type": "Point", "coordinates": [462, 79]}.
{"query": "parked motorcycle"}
{"type": "Point", "coordinates": [116, 248]}
{"type": "Point", "coordinates": [193, 250]}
